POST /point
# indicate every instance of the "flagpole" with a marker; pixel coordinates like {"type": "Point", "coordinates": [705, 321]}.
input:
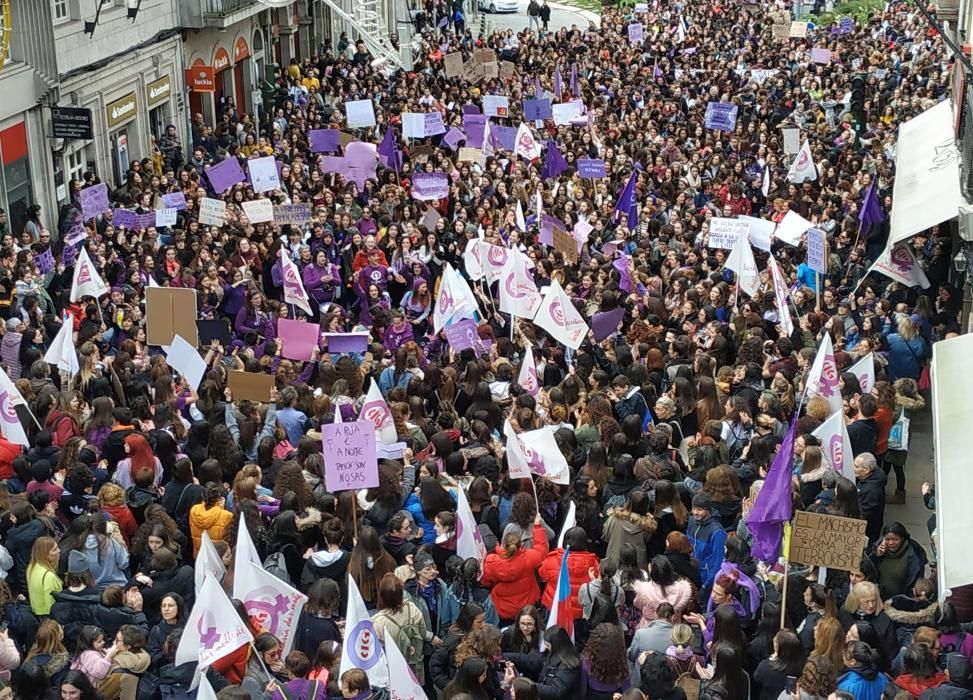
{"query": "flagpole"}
{"type": "Point", "coordinates": [783, 592]}
{"type": "Point", "coordinates": [536, 500]}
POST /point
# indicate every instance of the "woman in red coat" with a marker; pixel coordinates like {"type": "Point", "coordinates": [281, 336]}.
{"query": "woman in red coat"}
{"type": "Point", "coordinates": [580, 563]}
{"type": "Point", "coordinates": [510, 573]}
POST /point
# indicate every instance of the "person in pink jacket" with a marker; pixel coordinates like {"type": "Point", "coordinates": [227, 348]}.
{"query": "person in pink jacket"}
{"type": "Point", "coordinates": [92, 659]}
{"type": "Point", "coordinates": [9, 656]}
{"type": "Point", "coordinates": [662, 587]}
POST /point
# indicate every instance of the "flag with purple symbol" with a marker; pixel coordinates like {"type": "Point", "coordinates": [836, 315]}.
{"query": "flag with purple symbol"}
{"type": "Point", "coordinates": [823, 377]}
{"type": "Point", "coordinates": [213, 628]}
{"type": "Point", "coordinates": [273, 605]}
{"type": "Point", "coordinates": [469, 542]}
{"type": "Point", "coordinates": [294, 291]}
{"type": "Point", "coordinates": [10, 423]}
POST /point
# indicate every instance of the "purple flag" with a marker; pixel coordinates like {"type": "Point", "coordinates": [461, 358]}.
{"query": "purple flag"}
{"type": "Point", "coordinates": [537, 87]}
{"type": "Point", "coordinates": [225, 174]}
{"type": "Point", "coordinates": [624, 280]}
{"type": "Point", "coordinates": [558, 82]}
{"type": "Point", "coordinates": [627, 203]}
{"type": "Point", "coordinates": [574, 80]}
{"type": "Point", "coordinates": [554, 163]}
{"type": "Point", "coordinates": [656, 73]}
{"type": "Point", "coordinates": [325, 140]}
{"type": "Point", "coordinates": [389, 152]}
{"type": "Point", "coordinates": [605, 323]}
{"type": "Point", "coordinates": [772, 507]}
{"type": "Point", "coordinates": [537, 109]}
{"type": "Point", "coordinates": [871, 212]}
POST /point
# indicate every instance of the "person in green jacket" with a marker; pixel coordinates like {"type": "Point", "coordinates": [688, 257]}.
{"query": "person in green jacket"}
{"type": "Point", "coordinates": [42, 579]}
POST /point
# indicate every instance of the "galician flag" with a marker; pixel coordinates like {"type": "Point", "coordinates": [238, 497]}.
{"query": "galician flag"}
{"type": "Point", "coordinates": [294, 292]}
{"type": "Point", "coordinates": [213, 629]}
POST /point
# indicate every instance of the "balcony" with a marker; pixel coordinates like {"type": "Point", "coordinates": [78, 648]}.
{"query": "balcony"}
{"type": "Point", "coordinates": [222, 14]}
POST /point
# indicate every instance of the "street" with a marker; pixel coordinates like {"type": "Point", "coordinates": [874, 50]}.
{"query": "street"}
{"type": "Point", "coordinates": [561, 16]}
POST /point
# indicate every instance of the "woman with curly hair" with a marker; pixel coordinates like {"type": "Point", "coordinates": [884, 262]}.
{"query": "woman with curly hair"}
{"type": "Point", "coordinates": [604, 664]}
{"type": "Point", "coordinates": [159, 525]}
{"type": "Point", "coordinates": [484, 644]}
{"type": "Point", "coordinates": [112, 499]}
{"type": "Point", "coordinates": [224, 449]}
{"type": "Point", "coordinates": [522, 519]}
{"type": "Point", "coordinates": [290, 479]}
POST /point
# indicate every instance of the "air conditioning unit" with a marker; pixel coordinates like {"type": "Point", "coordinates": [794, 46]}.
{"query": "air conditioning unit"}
{"type": "Point", "coordinates": [965, 219]}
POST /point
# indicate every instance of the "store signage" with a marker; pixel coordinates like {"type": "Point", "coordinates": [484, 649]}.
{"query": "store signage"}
{"type": "Point", "coordinates": [122, 110]}
{"type": "Point", "coordinates": [72, 123]}
{"type": "Point", "coordinates": [200, 79]}
{"type": "Point", "coordinates": [159, 90]}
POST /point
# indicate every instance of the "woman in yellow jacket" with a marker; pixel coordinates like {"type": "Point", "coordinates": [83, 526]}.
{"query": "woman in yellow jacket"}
{"type": "Point", "coordinates": [209, 516]}
{"type": "Point", "coordinates": [42, 579]}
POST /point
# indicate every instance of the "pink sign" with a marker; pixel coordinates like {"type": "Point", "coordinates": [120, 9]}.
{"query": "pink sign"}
{"type": "Point", "coordinates": [297, 338]}
{"type": "Point", "coordinates": [350, 461]}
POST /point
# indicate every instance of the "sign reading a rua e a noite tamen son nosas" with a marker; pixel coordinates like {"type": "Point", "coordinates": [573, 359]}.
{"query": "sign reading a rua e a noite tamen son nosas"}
{"type": "Point", "coordinates": [350, 459]}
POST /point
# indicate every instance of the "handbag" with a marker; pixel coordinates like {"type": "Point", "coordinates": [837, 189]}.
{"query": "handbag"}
{"type": "Point", "coordinates": [899, 434]}
{"type": "Point", "coordinates": [925, 383]}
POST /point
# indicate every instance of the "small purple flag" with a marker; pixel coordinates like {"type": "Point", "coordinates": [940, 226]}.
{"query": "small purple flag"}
{"type": "Point", "coordinates": [627, 202]}
{"type": "Point", "coordinates": [605, 323]}
{"type": "Point", "coordinates": [656, 73]}
{"type": "Point", "coordinates": [554, 163]}
{"type": "Point", "coordinates": [871, 212]}
{"type": "Point", "coordinates": [621, 264]}
{"type": "Point", "coordinates": [773, 505]}
{"type": "Point", "coordinates": [44, 262]}
{"type": "Point", "coordinates": [558, 82]}
{"type": "Point", "coordinates": [442, 23]}
{"type": "Point", "coordinates": [389, 152]}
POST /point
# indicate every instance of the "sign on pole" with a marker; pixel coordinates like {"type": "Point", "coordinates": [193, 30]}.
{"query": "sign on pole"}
{"type": "Point", "coordinates": [827, 540]}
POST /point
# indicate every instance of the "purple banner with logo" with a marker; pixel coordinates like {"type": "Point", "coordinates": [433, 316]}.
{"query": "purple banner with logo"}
{"type": "Point", "coordinates": [225, 174]}
{"type": "Point", "coordinates": [174, 200]}
{"type": "Point", "coordinates": [453, 137]}
{"type": "Point", "coordinates": [325, 140]}
{"type": "Point", "coordinates": [462, 334]}
{"type": "Point", "coordinates": [94, 200]}
{"type": "Point", "coordinates": [123, 218]}
{"type": "Point", "coordinates": [721, 116]}
{"type": "Point", "coordinates": [591, 167]}
{"type": "Point", "coordinates": [430, 186]}
{"type": "Point", "coordinates": [538, 109]}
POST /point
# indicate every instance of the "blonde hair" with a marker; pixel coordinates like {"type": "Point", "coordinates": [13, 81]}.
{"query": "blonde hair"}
{"type": "Point", "coordinates": [111, 494]}
{"type": "Point", "coordinates": [682, 634]}
{"type": "Point", "coordinates": [860, 591]}
{"type": "Point", "coordinates": [907, 329]}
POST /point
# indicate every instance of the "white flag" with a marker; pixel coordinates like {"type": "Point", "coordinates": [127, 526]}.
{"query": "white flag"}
{"type": "Point", "coordinates": [570, 520]}
{"type": "Point", "coordinates": [781, 294]}
{"type": "Point", "coordinates": [521, 221]}
{"type": "Point", "coordinates": [864, 369]}
{"type": "Point", "coordinates": [765, 182]}
{"type": "Point", "coordinates": [558, 317]}
{"type": "Point", "coordinates": [204, 691]}
{"type": "Point", "coordinates": [527, 146]}
{"type": "Point", "coordinates": [516, 457]}
{"type": "Point", "coordinates": [86, 280]}
{"type": "Point", "coordinates": [742, 263]}
{"type": "Point", "coordinates": [493, 257]}
{"type": "Point", "coordinates": [152, 282]}
{"type": "Point", "coordinates": [63, 354]}
{"type": "Point", "coordinates": [406, 684]}
{"type": "Point", "coordinates": [377, 412]}
{"type": "Point", "coordinates": [544, 456]}
{"type": "Point", "coordinates": [294, 292]}
{"type": "Point", "coordinates": [803, 166]}
{"type": "Point", "coordinates": [275, 605]}
{"type": "Point", "coordinates": [901, 265]}
{"type": "Point", "coordinates": [472, 260]}
{"type": "Point", "coordinates": [681, 31]}
{"type": "Point", "coordinates": [836, 444]}
{"type": "Point", "coordinates": [486, 148]}
{"type": "Point", "coordinates": [469, 542]}
{"type": "Point", "coordinates": [455, 300]}
{"type": "Point", "coordinates": [362, 648]}
{"type": "Point", "coordinates": [208, 561]}
{"type": "Point", "coordinates": [10, 424]}
{"type": "Point", "coordinates": [518, 293]}
{"type": "Point", "coordinates": [823, 377]}
{"type": "Point", "coordinates": [213, 629]}
{"type": "Point", "coordinates": [528, 374]}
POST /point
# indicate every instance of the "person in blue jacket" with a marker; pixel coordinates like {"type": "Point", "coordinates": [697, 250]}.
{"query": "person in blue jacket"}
{"type": "Point", "coordinates": [862, 678]}
{"type": "Point", "coordinates": [707, 537]}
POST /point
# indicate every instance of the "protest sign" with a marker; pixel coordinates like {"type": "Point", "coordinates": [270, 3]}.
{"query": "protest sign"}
{"type": "Point", "coordinates": [496, 106]}
{"type": "Point", "coordinates": [250, 386]}
{"type": "Point", "coordinates": [782, 31]}
{"type": "Point", "coordinates": [184, 358]}
{"type": "Point", "coordinates": [259, 210]}
{"type": "Point", "coordinates": [566, 112]}
{"type": "Point", "coordinates": [212, 212]}
{"type": "Point", "coordinates": [413, 125]}
{"type": "Point", "coordinates": [168, 312]}
{"type": "Point", "coordinates": [591, 167]}
{"type": "Point", "coordinates": [798, 30]}
{"type": "Point", "coordinates": [462, 334]}
{"type": "Point", "coordinates": [827, 540]}
{"type": "Point", "coordinates": [263, 174]}
{"type": "Point", "coordinates": [166, 217]}
{"type": "Point", "coordinates": [636, 33]}
{"type": "Point", "coordinates": [537, 109]}
{"type": "Point", "coordinates": [490, 70]}
{"type": "Point", "coordinates": [225, 174]}
{"type": "Point", "coordinates": [144, 220]}
{"type": "Point", "coordinates": [817, 250]}
{"type": "Point", "coordinates": [350, 461]}
{"type": "Point", "coordinates": [761, 232]}
{"type": "Point", "coordinates": [504, 137]}
{"type": "Point", "coordinates": [123, 218]}
{"type": "Point", "coordinates": [293, 214]}
{"type": "Point", "coordinates": [214, 329]}
{"type": "Point", "coordinates": [791, 228]}
{"type": "Point", "coordinates": [454, 64]}
{"type": "Point", "coordinates": [433, 124]}
{"type": "Point", "coordinates": [360, 113]}
{"type": "Point", "coordinates": [822, 56]}
{"type": "Point", "coordinates": [792, 141]}
{"type": "Point", "coordinates": [297, 338]}
{"type": "Point", "coordinates": [473, 155]}
{"type": "Point", "coordinates": [453, 137]}
{"type": "Point", "coordinates": [324, 140]}
{"type": "Point", "coordinates": [474, 125]}
{"type": "Point", "coordinates": [175, 200]}
{"type": "Point", "coordinates": [346, 342]}
{"type": "Point", "coordinates": [565, 244]}
{"type": "Point", "coordinates": [94, 200]}
{"type": "Point", "coordinates": [484, 55]}
{"type": "Point", "coordinates": [507, 70]}
{"type": "Point", "coordinates": [846, 25]}
{"type": "Point", "coordinates": [721, 116]}
{"type": "Point", "coordinates": [430, 186]}
{"type": "Point", "coordinates": [723, 232]}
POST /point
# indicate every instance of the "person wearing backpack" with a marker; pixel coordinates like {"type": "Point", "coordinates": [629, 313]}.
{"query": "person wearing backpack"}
{"type": "Point", "coordinates": [399, 620]}
{"type": "Point", "coordinates": [300, 687]}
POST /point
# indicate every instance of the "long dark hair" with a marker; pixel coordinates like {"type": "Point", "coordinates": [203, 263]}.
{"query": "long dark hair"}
{"type": "Point", "coordinates": [434, 499]}
{"type": "Point", "coordinates": [729, 673]}
{"type": "Point", "coordinates": [606, 654]}
{"type": "Point", "coordinates": [562, 650]}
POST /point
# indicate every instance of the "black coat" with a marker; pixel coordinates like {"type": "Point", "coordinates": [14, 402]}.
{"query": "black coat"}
{"type": "Point", "coordinates": [863, 434]}
{"type": "Point", "coordinates": [20, 540]}
{"type": "Point", "coordinates": [75, 610]}
{"type": "Point", "coordinates": [871, 495]}
{"type": "Point", "coordinates": [111, 620]}
{"type": "Point", "coordinates": [181, 580]}
{"type": "Point", "coordinates": [312, 630]}
{"type": "Point", "coordinates": [442, 666]}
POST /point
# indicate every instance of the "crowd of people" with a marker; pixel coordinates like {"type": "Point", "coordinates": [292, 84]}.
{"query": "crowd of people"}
{"type": "Point", "coordinates": [668, 425]}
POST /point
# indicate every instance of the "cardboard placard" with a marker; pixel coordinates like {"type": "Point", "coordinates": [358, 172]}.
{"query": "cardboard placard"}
{"type": "Point", "coordinates": [565, 244]}
{"type": "Point", "coordinates": [797, 30]}
{"type": "Point", "coordinates": [216, 329]}
{"type": "Point", "coordinates": [168, 313]}
{"type": "Point", "coordinates": [454, 64]}
{"type": "Point", "coordinates": [484, 56]}
{"type": "Point", "coordinates": [250, 386]}
{"type": "Point", "coordinates": [828, 540]}
{"type": "Point", "coordinates": [474, 155]}
{"type": "Point", "coordinates": [344, 138]}
{"type": "Point", "coordinates": [507, 70]}
{"type": "Point", "coordinates": [782, 31]}
{"type": "Point", "coordinates": [490, 70]}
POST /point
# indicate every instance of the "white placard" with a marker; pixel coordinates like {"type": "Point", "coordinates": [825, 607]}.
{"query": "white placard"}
{"type": "Point", "coordinates": [263, 174]}
{"type": "Point", "coordinates": [565, 112]}
{"type": "Point", "coordinates": [817, 250]}
{"type": "Point", "coordinates": [792, 141]}
{"type": "Point", "coordinates": [185, 359]}
{"type": "Point", "coordinates": [761, 232]}
{"type": "Point", "coordinates": [496, 106]}
{"type": "Point", "coordinates": [791, 228]}
{"type": "Point", "coordinates": [798, 30]}
{"type": "Point", "coordinates": [166, 217]}
{"type": "Point", "coordinates": [723, 232]}
{"type": "Point", "coordinates": [259, 210]}
{"type": "Point", "coordinates": [212, 212]}
{"type": "Point", "coordinates": [413, 125]}
{"type": "Point", "coordinates": [360, 113]}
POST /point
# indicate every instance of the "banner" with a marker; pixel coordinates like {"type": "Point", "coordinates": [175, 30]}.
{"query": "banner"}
{"type": "Point", "coordinates": [558, 317]}
{"type": "Point", "coordinates": [294, 291]}
{"type": "Point", "coordinates": [901, 265]}
{"type": "Point", "coordinates": [293, 214]}
{"type": "Point", "coordinates": [721, 116]}
{"type": "Point", "coordinates": [362, 648]}
{"type": "Point", "coordinates": [213, 629]}
{"type": "Point", "coordinates": [427, 187]}
{"type": "Point", "coordinates": [528, 374]}
{"type": "Point", "coordinates": [518, 293]}
{"type": "Point", "coordinates": [259, 211]}
{"type": "Point", "coordinates": [10, 424]}
{"type": "Point", "coordinates": [724, 232]}
{"type": "Point", "coordinates": [823, 377]}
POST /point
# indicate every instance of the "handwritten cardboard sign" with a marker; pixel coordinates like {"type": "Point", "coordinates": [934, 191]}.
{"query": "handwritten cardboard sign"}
{"type": "Point", "coordinates": [350, 461]}
{"type": "Point", "coordinates": [828, 540]}
{"type": "Point", "coordinates": [565, 244]}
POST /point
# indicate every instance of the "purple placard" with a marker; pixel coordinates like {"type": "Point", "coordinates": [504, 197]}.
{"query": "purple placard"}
{"type": "Point", "coordinates": [819, 55]}
{"type": "Point", "coordinates": [548, 224]}
{"type": "Point", "coordinates": [347, 342]}
{"type": "Point", "coordinates": [453, 137]}
{"type": "Point", "coordinates": [144, 220]}
{"type": "Point", "coordinates": [473, 125]}
{"type": "Point", "coordinates": [606, 323]}
{"type": "Point", "coordinates": [44, 262]}
{"type": "Point", "coordinates": [504, 136]}
{"type": "Point", "coordinates": [325, 140]}
{"type": "Point", "coordinates": [297, 338]}
{"type": "Point", "coordinates": [591, 167]}
{"type": "Point", "coordinates": [430, 186]}
{"type": "Point", "coordinates": [174, 200]}
{"type": "Point", "coordinates": [225, 174]}
{"type": "Point", "coordinates": [471, 109]}
{"type": "Point", "coordinates": [462, 334]}
{"type": "Point", "coordinates": [538, 109]}
{"type": "Point", "coordinates": [69, 255]}
{"type": "Point", "coordinates": [636, 32]}
{"type": "Point", "coordinates": [721, 116]}
{"type": "Point", "coordinates": [94, 200]}
{"type": "Point", "coordinates": [350, 460]}
{"type": "Point", "coordinates": [846, 25]}
{"type": "Point", "coordinates": [434, 124]}
{"type": "Point", "coordinates": [76, 233]}
{"type": "Point", "coordinates": [123, 218]}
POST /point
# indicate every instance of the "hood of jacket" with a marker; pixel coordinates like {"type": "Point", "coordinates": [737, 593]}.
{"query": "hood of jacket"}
{"type": "Point", "coordinates": [906, 610]}
{"type": "Point", "coordinates": [311, 518]}
{"type": "Point", "coordinates": [205, 518]}
{"type": "Point", "coordinates": [909, 403]}
{"type": "Point", "coordinates": [815, 474]}
{"type": "Point", "coordinates": [136, 661]}
{"type": "Point", "coordinates": [632, 523]}
{"type": "Point", "coordinates": [703, 529]}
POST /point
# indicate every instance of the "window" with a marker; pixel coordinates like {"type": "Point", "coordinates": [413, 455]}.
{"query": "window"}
{"type": "Point", "coordinates": [61, 12]}
{"type": "Point", "coordinates": [75, 164]}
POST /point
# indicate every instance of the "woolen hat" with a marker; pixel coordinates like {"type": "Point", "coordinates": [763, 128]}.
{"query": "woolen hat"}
{"type": "Point", "coordinates": [78, 563]}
